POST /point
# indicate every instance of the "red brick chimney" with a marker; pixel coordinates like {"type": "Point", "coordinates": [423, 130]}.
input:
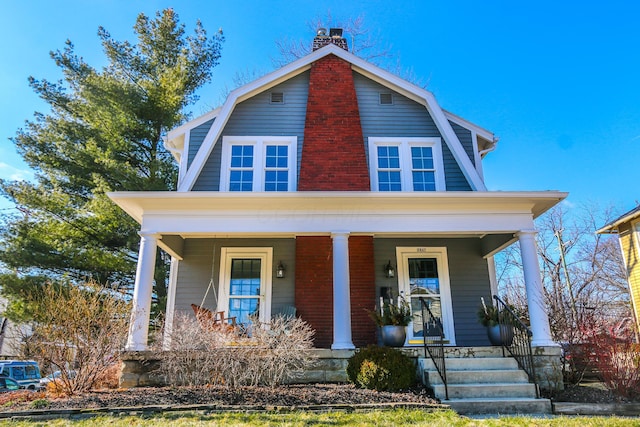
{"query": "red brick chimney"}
{"type": "Point", "coordinates": [333, 151]}
{"type": "Point", "coordinates": [333, 159]}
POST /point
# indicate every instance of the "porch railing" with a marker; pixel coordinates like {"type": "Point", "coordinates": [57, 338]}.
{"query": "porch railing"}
{"type": "Point", "coordinates": [516, 339]}
{"type": "Point", "coordinates": [434, 347]}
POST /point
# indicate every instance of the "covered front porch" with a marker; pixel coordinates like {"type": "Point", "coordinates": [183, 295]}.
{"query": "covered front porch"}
{"type": "Point", "coordinates": [328, 231]}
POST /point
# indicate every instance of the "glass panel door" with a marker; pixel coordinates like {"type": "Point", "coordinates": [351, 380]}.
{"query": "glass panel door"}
{"type": "Point", "coordinates": [423, 273]}
{"type": "Point", "coordinates": [424, 282]}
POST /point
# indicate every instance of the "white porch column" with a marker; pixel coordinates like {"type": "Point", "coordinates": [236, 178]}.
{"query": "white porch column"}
{"type": "Point", "coordinates": [171, 303]}
{"type": "Point", "coordinates": [535, 296]}
{"type": "Point", "coordinates": [341, 293]}
{"type": "Point", "coordinates": [139, 323]}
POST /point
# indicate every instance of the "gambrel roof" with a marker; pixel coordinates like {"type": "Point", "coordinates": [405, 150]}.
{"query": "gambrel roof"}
{"type": "Point", "coordinates": [175, 138]}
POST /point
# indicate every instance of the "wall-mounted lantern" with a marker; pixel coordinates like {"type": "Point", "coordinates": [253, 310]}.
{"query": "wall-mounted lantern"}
{"type": "Point", "coordinates": [389, 271]}
{"type": "Point", "coordinates": [280, 270]}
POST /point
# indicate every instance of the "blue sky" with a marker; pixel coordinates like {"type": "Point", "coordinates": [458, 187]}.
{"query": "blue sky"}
{"type": "Point", "coordinates": [557, 82]}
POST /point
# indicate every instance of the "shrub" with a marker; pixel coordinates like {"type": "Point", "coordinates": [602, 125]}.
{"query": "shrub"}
{"type": "Point", "coordinates": [381, 369]}
{"type": "Point", "coordinates": [39, 404]}
{"type": "Point", "coordinates": [200, 354]}
{"type": "Point", "coordinates": [617, 360]}
{"type": "Point", "coordinates": [80, 328]}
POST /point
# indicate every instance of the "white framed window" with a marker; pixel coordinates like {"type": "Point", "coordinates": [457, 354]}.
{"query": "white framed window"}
{"type": "Point", "coordinates": [245, 283]}
{"type": "Point", "coordinates": [258, 163]}
{"type": "Point", "coordinates": [406, 164]}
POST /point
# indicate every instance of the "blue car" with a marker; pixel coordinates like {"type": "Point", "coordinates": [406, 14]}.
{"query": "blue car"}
{"type": "Point", "coordinates": [9, 384]}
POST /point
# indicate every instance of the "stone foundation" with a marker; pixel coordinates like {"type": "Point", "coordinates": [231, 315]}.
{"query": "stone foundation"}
{"type": "Point", "coordinates": [140, 368]}
{"type": "Point", "coordinates": [548, 365]}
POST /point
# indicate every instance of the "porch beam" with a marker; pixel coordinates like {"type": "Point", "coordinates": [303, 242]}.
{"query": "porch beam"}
{"type": "Point", "coordinates": [535, 295]}
{"type": "Point", "coordinates": [141, 309]}
{"type": "Point", "coordinates": [341, 293]}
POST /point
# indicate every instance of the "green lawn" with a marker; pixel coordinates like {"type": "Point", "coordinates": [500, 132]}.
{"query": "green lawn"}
{"type": "Point", "coordinates": [398, 417]}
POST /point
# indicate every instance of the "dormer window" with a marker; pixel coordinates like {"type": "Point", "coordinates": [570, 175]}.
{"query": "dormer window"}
{"type": "Point", "coordinates": [406, 164]}
{"type": "Point", "coordinates": [258, 163]}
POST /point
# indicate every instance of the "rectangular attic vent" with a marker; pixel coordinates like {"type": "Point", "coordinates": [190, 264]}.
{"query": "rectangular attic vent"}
{"type": "Point", "coordinates": [276, 98]}
{"type": "Point", "coordinates": [386, 99]}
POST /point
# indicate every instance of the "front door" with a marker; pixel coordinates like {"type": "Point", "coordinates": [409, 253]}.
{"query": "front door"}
{"type": "Point", "coordinates": [245, 284]}
{"type": "Point", "coordinates": [423, 273]}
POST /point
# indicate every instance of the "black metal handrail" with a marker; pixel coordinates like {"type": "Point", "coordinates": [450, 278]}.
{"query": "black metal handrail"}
{"type": "Point", "coordinates": [516, 339]}
{"type": "Point", "coordinates": [434, 348]}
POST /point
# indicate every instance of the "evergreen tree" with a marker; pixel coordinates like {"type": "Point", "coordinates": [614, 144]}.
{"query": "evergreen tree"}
{"type": "Point", "coordinates": [103, 133]}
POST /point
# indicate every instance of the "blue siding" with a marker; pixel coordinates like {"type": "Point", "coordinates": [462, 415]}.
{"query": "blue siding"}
{"type": "Point", "coordinates": [256, 116]}
{"type": "Point", "coordinates": [404, 118]}
{"type": "Point", "coordinates": [464, 135]}
{"type": "Point", "coordinates": [194, 271]}
{"type": "Point", "coordinates": [196, 136]}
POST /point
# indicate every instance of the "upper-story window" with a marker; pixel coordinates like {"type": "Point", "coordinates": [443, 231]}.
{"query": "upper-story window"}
{"type": "Point", "coordinates": [406, 164]}
{"type": "Point", "coordinates": [258, 163]}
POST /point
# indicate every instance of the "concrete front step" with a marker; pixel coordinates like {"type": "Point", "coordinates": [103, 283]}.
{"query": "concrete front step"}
{"type": "Point", "coordinates": [485, 390]}
{"type": "Point", "coordinates": [479, 376]}
{"type": "Point", "coordinates": [471, 364]}
{"type": "Point", "coordinates": [499, 406]}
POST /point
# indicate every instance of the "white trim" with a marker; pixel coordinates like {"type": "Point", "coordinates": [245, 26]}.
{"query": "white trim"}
{"type": "Point", "coordinates": [259, 155]}
{"type": "Point", "coordinates": [184, 158]}
{"type": "Point", "coordinates": [635, 241]}
{"type": "Point", "coordinates": [493, 280]}
{"type": "Point", "coordinates": [477, 159]}
{"type": "Point", "coordinates": [404, 145]}
{"type": "Point", "coordinates": [171, 303]}
{"type": "Point", "coordinates": [379, 75]}
{"type": "Point", "coordinates": [635, 228]}
{"type": "Point", "coordinates": [486, 134]}
{"type": "Point", "coordinates": [403, 253]}
{"type": "Point", "coordinates": [186, 127]}
{"type": "Point", "coordinates": [265, 255]}
{"type": "Point", "coordinates": [325, 211]}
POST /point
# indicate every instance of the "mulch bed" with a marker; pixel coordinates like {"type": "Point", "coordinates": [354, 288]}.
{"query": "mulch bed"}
{"type": "Point", "coordinates": [588, 393]}
{"type": "Point", "coordinates": [291, 395]}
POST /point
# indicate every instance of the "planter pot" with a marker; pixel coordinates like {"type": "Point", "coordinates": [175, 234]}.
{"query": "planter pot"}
{"type": "Point", "coordinates": [393, 336]}
{"type": "Point", "coordinates": [493, 332]}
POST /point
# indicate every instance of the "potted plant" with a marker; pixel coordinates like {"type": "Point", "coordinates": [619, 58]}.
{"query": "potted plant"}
{"type": "Point", "coordinates": [393, 320]}
{"type": "Point", "coordinates": [488, 316]}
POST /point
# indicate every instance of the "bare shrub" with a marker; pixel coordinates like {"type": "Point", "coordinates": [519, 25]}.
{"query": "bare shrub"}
{"type": "Point", "coordinates": [616, 358]}
{"type": "Point", "coordinates": [286, 342]}
{"type": "Point", "coordinates": [192, 356]}
{"type": "Point", "coordinates": [80, 328]}
{"type": "Point", "coordinates": [109, 378]}
{"type": "Point", "coordinates": [202, 353]}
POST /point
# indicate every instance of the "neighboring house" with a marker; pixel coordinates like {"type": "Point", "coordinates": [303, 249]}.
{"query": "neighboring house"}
{"type": "Point", "coordinates": [627, 227]}
{"type": "Point", "coordinates": [329, 171]}
{"type": "Point", "coordinates": [11, 334]}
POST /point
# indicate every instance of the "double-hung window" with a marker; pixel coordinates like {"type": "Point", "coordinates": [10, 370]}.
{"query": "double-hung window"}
{"type": "Point", "coordinates": [406, 164]}
{"type": "Point", "coordinates": [258, 163]}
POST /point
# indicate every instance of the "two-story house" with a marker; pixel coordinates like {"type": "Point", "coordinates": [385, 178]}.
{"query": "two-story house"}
{"type": "Point", "coordinates": [323, 186]}
{"type": "Point", "coordinates": [627, 227]}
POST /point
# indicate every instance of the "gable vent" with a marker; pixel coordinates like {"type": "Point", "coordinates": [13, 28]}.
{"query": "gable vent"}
{"type": "Point", "coordinates": [386, 99]}
{"type": "Point", "coordinates": [277, 98]}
